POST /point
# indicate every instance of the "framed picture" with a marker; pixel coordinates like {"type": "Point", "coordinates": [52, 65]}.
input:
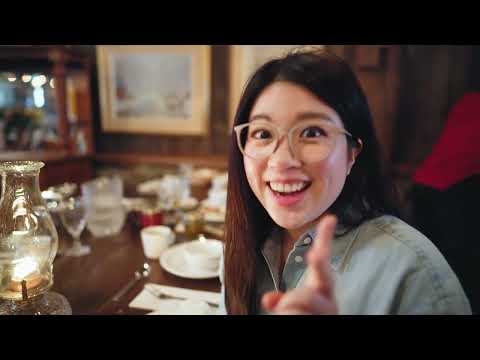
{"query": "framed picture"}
{"type": "Point", "coordinates": [155, 89]}
{"type": "Point", "coordinates": [245, 60]}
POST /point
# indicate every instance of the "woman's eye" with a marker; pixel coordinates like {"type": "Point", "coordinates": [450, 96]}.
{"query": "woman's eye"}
{"type": "Point", "coordinates": [313, 132]}
{"type": "Point", "coordinates": [261, 134]}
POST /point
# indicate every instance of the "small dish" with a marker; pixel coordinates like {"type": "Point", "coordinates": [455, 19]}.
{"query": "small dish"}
{"type": "Point", "coordinates": [173, 261]}
{"type": "Point", "coordinates": [204, 254]}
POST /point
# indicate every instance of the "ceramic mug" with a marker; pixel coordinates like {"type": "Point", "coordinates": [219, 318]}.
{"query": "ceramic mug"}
{"type": "Point", "coordinates": [155, 239]}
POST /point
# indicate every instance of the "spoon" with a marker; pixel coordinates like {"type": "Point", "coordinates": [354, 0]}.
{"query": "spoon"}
{"type": "Point", "coordinates": [141, 273]}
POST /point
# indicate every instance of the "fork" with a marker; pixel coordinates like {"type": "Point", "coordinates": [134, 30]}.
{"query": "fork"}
{"type": "Point", "coordinates": [161, 295]}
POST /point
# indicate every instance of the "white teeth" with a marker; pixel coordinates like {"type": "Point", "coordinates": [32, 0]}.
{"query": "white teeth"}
{"type": "Point", "coordinates": [288, 188]}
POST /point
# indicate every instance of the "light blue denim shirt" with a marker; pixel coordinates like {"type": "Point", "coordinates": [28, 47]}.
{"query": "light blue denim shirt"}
{"type": "Point", "coordinates": [382, 267]}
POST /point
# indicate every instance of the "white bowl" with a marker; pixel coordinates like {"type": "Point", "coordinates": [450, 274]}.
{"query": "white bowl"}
{"type": "Point", "coordinates": [155, 239]}
{"type": "Point", "coordinates": [204, 254]}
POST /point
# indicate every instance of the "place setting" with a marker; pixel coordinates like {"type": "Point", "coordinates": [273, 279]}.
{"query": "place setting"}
{"type": "Point", "coordinates": [198, 259]}
{"type": "Point", "coordinates": [168, 300]}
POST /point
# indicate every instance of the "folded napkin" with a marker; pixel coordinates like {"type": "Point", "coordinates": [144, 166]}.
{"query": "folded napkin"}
{"type": "Point", "coordinates": [184, 307]}
{"type": "Point", "coordinates": [189, 302]}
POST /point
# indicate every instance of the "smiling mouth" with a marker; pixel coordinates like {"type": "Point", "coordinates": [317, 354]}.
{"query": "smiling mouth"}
{"type": "Point", "coordinates": [291, 189]}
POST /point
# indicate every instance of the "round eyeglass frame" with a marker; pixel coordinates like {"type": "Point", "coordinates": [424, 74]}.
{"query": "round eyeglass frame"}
{"type": "Point", "coordinates": [238, 132]}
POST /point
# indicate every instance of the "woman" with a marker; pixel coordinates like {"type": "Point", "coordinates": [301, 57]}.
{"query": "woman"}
{"type": "Point", "coordinates": [304, 153]}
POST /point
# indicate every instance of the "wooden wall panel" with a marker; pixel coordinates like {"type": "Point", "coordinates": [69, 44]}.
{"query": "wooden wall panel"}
{"type": "Point", "coordinates": [434, 77]}
{"type": "Point", "coordinates": [377, 68]}
{"type": "Point", "coordinates": [76, 170]}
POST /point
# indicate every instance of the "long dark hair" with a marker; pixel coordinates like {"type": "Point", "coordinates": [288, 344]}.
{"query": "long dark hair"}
{"type": "Point", "coordinates": [367, 192]}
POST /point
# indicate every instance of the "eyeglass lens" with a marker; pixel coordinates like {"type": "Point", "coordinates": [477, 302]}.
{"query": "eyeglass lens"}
{"type": "Point", "coordinates": [309, 141]}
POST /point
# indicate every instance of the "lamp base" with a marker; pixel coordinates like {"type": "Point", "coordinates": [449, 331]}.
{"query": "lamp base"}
{"type": "Point", "coordinates": [50, 303]}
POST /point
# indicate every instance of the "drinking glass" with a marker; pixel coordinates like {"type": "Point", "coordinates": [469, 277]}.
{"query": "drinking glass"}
{"type": "Point", "coordinates": [73, 217]}
{"type": "Point", "coordinates": [105, 213]}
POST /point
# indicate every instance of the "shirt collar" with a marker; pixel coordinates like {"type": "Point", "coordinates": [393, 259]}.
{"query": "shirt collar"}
{"type": "Point", "coordinates": [341, 244]}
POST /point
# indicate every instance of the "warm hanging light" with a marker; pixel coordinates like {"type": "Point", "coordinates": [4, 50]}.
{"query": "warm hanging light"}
{"type": "Point", "coordinates": [26, 78]}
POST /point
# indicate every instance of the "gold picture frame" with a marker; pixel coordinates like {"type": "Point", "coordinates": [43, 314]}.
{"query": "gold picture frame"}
{"type": "Point", "coordinates": [245, 59]}
{"type": "Point", "coordinates": [155, 89]}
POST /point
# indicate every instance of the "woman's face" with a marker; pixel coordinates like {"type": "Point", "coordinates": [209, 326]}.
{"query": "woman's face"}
{"type": "Point", "coordinates": [285, 104]}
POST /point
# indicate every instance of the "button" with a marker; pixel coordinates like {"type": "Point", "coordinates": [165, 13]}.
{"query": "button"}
{"type": "Point", "coordinates": [307, 241]}
{"type": "Point", "coordinates": [298, 259]}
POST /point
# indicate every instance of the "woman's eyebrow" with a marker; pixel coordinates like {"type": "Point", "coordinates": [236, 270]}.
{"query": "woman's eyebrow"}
{"type": "Point", "coordinates": [314, 115]}
{"type": "Point", "coordinates": [260, 117]}
{"type": "Point", "coordinates": [311, 115]}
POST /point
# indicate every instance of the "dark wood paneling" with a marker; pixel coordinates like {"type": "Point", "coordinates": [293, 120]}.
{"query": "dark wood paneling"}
{"type": "Point", "coordinates": [213, 161]}
{"type": "Point", "coordinates": [434, 77]}
{"type": "Point", "coordinates": [60, 166]}
{"type": "Point", "coordinates": [377, 68]}
{"type": "Point", "coordinates": [75, 170]}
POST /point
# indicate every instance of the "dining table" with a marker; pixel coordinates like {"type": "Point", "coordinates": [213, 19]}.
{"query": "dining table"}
{"type": "Point", "coordinates": [91, 281]}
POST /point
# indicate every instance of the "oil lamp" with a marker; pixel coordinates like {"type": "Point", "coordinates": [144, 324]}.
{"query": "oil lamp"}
{"type": "Point", "coordinates": [28, 245]}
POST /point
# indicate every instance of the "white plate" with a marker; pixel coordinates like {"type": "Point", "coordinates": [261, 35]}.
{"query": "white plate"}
{"type": "Point", "coordinates": [173, 261]}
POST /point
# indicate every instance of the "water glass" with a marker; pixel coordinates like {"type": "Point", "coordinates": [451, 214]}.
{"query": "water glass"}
{"type": "Point", "coordinates": [103, 200]}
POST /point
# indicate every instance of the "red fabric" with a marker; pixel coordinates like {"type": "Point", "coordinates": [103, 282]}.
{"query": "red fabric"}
{"type": "Point", "coordinates": [456, 156]}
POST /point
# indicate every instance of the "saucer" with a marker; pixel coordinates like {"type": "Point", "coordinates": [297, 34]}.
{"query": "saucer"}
{"type": "Point", "coordinates": [173, 260]}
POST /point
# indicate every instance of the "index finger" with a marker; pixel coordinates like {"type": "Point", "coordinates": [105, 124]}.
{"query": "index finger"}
{"type": "Point", "coordinates": [319, 274]}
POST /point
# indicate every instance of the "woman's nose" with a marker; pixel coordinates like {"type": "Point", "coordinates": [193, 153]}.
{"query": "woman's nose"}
{"type": "Point", "coordinates": [283, 156]}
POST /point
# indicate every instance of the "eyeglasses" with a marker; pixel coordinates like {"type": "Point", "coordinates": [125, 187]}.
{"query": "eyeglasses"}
{"type": "Point", "coordinates": [309, 141]}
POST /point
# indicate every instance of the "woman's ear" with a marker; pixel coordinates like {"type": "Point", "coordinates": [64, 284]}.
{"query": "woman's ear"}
{"type": "Point", "coordinates": [353, 153]}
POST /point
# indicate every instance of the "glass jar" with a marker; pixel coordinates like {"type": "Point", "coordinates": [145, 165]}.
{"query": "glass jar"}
{"type": "Point", "coordinates": [193, 224]}
{"type": "Point", "coordinates": [28, 241]}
